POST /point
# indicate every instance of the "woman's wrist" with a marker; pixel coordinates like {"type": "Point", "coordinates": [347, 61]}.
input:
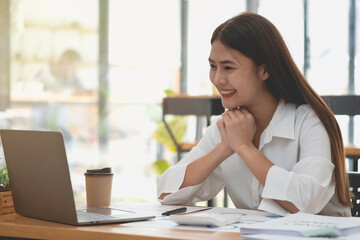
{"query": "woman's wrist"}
{"type": "Point", "coordinates": [224, 150]}
{"type": "Point", "coordinates": [245, 149]}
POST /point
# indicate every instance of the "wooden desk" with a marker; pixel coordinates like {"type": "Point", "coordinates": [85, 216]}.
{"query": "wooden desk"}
{"type": "Point", "coordinates": [14, 225]}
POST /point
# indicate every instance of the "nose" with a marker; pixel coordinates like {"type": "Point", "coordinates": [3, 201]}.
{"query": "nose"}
{"type": "Point", "coordinates": [217, 77]}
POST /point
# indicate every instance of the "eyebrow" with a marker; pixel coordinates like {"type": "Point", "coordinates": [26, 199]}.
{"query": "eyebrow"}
{"type": "Point", "coordinates": [223, 62]}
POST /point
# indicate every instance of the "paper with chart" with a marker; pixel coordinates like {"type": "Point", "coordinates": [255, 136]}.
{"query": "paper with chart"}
{"type": "Point", "coordinates": [306, 225]}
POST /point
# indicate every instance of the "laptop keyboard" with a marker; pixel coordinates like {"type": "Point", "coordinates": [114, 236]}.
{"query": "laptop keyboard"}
{"type": "Point", "coordinates": [92, 217]}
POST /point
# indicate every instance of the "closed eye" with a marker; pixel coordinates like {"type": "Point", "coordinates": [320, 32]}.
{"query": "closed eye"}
{"type": "Point", "coordinates": [228, 68]}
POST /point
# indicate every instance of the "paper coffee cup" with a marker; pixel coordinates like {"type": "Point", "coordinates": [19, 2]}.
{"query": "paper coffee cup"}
{"type": "Point", "coordinates": [98, 186]}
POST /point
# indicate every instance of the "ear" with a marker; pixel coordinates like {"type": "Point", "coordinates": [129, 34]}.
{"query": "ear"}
{"type": "Point", "coordinates": [263, 73]}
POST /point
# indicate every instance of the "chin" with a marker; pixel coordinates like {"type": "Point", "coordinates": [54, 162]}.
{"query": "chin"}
{"type": "Point", "coordinates": [229, 105]}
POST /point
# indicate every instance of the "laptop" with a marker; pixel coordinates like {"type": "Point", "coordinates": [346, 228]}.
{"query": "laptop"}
{"type": "Point", "coordinates": [41, 185]}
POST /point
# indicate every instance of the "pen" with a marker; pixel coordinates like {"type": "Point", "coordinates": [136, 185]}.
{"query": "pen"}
{"type": "Point", "coordinates": [174, 211]}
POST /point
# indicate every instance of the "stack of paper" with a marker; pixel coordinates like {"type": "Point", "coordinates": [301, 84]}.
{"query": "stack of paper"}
{"type": "Point", "coordinates": [303, 225]}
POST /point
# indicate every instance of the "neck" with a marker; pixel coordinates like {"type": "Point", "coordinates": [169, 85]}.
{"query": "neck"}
{"type": "Point", "coordinates": [264, 112]}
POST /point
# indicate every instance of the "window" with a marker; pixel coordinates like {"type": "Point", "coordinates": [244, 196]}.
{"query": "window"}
{"type": "Point", "coordinates": [144, 46]}
{"type": "Point", "coordinates": [53, 85]}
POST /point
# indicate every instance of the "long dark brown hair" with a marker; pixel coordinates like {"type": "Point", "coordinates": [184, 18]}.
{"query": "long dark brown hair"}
{"type": "Point", "coordinates": [257, 38]}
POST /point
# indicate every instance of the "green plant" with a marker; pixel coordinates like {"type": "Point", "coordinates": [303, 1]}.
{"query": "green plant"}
{"type": "Point", "coordinates": [178, 125]}
{"type": "Point", "coordinates": [160, 166]}
{"type": "Point", "coordinates": [4, 180]}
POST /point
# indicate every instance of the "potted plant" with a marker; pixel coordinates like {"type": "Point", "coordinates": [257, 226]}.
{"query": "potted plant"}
{"type": "Point", "coordinates": [6, 202]}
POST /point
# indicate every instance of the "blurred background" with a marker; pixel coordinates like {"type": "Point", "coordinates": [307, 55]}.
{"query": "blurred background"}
{"type": "Point", "coordinates": [96, 70]}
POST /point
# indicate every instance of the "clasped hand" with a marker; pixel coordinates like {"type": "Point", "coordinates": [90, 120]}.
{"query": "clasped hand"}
{"type": "Point", "coordinates": [237, 128]}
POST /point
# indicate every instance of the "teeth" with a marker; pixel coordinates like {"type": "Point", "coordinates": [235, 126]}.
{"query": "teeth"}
{"type": "Point", "coordinates": [227, 91]}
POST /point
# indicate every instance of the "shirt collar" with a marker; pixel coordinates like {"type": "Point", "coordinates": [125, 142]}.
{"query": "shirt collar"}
{"type": "Point", "coordinates": [282, 123]}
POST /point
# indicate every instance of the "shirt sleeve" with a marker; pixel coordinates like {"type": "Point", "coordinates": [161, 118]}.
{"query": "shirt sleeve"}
{"type": "Point", "coordinates": [173, 177]}
{"type": "Point", "coordinates": [310, 184]}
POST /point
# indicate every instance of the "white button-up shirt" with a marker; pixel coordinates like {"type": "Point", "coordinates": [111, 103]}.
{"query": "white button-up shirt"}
{"type": "Point", "coordinates": [295, 141]}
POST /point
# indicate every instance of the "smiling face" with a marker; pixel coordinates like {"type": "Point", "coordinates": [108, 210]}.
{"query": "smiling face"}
{"type": "Point", "coordinates": [239, 81]}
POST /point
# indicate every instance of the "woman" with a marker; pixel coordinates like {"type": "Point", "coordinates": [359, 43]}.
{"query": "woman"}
{"type": "Point", "coordinates": [278, 146]}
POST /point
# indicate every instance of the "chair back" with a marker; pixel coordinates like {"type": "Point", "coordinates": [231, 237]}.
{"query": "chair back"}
{"type": "Point", "coordinates": [354, 178]}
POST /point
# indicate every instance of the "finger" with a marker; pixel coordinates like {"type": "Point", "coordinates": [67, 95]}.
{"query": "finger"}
{"type": "Point", "coordinates": [245, 112]}
{"type": "Point", "coordinates": [238, 112]}
{"type": "Point", "coordinates": [222, 129]}
{"type": "Point", "coordinates": [232, 114]}
{"type": "Point", "coordinates": [225, 116]}
{"type": "Point", "coordinates": [220, 124]}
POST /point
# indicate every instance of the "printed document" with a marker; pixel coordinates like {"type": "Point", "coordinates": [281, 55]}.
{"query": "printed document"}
{"type": "Point", "coordinates": [306, 225]}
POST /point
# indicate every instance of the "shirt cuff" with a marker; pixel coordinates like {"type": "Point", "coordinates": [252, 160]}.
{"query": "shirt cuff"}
{"type": "Point", "coordinates": [308, 193]}
{"type": "Point", "coordinates": [177, 174]}
{"type": "Point", "coordinates": [272, 206]}
{"type": "Point", "coordinates": [276, 176]}
{"type": "Point", "coordinates": [183, 196]}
